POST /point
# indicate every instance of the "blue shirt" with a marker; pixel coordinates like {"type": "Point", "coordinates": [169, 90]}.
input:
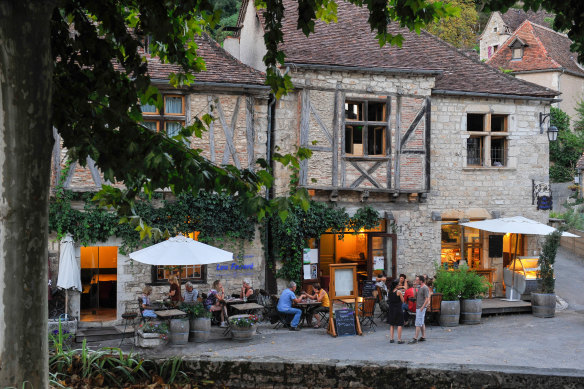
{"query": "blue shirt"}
{"type": "Point", "coordinates": [286, 300]}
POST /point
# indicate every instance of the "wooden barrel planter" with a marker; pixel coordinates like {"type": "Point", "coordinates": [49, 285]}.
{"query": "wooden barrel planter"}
{"type": "Point", "coordinates": [543, 304]}
{"type": "Point", "coordinates": [200, 329]}
{"type": "Point", "coordinates": [179, 331]}
{"type": "Point", "coordinates": [243, 334]}
{"type": "Point", "coordinates": [449, 313]}
{"type": "Point", "coordinates": [471, 311]}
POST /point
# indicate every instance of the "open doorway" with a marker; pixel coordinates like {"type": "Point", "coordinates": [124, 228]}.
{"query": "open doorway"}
{"type": "Point", "coordinates": [99, 268]}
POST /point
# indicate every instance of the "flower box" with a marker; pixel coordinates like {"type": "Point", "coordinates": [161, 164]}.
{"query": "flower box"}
{"type": "Point", "coordinates": [150, 339]}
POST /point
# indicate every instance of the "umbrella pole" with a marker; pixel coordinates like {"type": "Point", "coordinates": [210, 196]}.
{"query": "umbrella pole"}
{"type": "Point", "coordinates": [66, 303]}
{"type": "Point", "coordinates": [514, 267]}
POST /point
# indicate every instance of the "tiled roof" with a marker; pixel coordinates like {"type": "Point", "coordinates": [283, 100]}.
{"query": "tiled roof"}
{"type": "Point", "coordinates": [546, 50]}
{"type": "Point", "coordinates": [350, 42]}
{"type": "Point", "coordinates": [514, 17]}
{"type": "Point", "coordinates": [221, 66]}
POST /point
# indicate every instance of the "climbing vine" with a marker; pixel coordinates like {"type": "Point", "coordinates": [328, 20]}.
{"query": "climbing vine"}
{"type": "Point", "coordinates": [218, 217]}
{"type": "Point", "coordinates": [289, 236]}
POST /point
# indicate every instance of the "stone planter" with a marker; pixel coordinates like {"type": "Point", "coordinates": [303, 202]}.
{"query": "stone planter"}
{"type": "Point", "coordinates": [449, 313]}
{"type": "Point", "coordinates": [543, 304]}
{"type": "Point", "coordinates": [243, 334]}
{"type": "Point", "coordinates": [200, 329]}
{"type": "Point", "coordinates": [149, 339]}
{"type": "Point", "coordinates": [471, 311]}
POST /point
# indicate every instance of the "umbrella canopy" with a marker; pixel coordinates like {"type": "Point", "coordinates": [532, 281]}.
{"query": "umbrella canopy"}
{"type": "Point", "coordinates": [515, 225]}
{"type": "Point", "coordinates": [180, 251]}
{"type": "Point", "coordinates": [69, 272]}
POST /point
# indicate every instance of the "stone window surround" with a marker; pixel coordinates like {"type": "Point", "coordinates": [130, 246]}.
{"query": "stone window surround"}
{"type": "Point", "coordinates": [157, 281]}
{"type": "Point", "coordinates": [486, 135]}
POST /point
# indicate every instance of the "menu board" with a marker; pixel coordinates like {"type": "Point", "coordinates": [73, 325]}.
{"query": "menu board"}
{"type": "Point", "coordinates": [368, 288]}
{"type": "Point", "coordinates": [343, 282]}
{"type": "Point", "coordinates": [345, 322]}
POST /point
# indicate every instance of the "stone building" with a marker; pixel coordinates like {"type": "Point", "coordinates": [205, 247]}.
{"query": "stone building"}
{"type": "Point", "coordinates": [500, 27]}
{"type": "Point", "coordinates": [538, 54]}
{"type": "Point", "coordinates": [236, 96]}
{"type": "Point", "coordinates": [425, 134]}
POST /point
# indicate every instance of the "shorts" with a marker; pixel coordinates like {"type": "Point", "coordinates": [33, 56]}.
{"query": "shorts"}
{"type": "Point", "coordinates": [420, 315]}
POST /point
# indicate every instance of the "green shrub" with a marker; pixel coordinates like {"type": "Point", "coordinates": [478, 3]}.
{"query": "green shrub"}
{"type": "Point", "coordinates": [473, 284]}
{"type": "Point", "coordinates": [195, 311]}
{"type": "Point", "coordinates": [546, 261]}
{"type": "Point", "coordinates": [449, 283]}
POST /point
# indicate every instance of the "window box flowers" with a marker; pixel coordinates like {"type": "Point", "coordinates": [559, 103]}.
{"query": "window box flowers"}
{"type": "Point", "coordinates": [243, 327]}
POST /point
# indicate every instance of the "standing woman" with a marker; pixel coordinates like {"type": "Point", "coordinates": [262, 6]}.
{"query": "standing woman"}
{"type": "Point", "coordinates": [396, 317]}
{"type": "Point", "coordinates": [174, 292]}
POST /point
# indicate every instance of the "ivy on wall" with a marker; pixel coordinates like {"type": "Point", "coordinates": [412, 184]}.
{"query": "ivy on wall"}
{"type": "Point", "coordinates": [289, 236]}
{"type": "Point", "coordinates": [218, 217]}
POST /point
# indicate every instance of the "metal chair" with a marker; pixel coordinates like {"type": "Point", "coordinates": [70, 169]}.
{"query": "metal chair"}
{"type": "Point", "coordinates": [368, 313]}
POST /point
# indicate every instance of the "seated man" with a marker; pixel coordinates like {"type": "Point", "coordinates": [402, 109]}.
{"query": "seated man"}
{"type": "Point", "coordinates": [285, 305]}
{"type": "Point", "coordinates": [191, 293]}
{"type": "Point", "coordinates": [409, 304]}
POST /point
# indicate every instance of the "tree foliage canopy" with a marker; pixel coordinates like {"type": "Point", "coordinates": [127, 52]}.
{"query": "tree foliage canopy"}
{"type": "Point", "coordinates": [460, 30]}
{"type": "Point", "coordinates": [567, 149]}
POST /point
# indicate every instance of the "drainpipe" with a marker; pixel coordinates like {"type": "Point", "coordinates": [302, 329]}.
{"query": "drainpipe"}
{"type": "Point", "coordinates": [270, 274]}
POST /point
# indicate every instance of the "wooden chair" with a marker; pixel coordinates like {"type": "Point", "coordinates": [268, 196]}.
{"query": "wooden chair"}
{"type": "Point", "coordinates": [368, 313]}
{"type": "Point", "coordinates": [382, 301]}
{"type": "Point", "coordinates": [433, 311]}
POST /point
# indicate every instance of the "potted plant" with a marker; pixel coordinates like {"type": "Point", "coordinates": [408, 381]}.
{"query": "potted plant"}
{"type": "Point", "coordinates": [199, 321]}
{"type": "Point", "coordinates": [543, 303]}
{"type": "Point", "coordinates": [449, 283]}
{"type": "Point", "coordinates": [243, 327]}
{"type": "Point", "coordinates": [473, 288]}
{"type": "Point", "coordinates": [152, 334]}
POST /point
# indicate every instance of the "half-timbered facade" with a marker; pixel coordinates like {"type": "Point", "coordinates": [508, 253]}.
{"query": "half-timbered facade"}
{"type": "Point", "coordinates": [424, 134]}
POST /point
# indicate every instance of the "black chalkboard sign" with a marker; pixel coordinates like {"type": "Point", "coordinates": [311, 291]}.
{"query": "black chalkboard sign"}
{"type": "Point", "coordinates": [368, 288]}
{"type": "Point", "coordinates": [495, 246]}
{"type": "Point", "coordinates": [345, 322]}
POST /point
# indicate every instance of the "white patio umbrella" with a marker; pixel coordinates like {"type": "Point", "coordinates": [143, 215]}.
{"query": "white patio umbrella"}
{"type": "Point", "coordinates": [515, 225]}
{"type": "Point", "coordinates": [69, 273]}
{"type": "Point", "coordinates": [180, 251]}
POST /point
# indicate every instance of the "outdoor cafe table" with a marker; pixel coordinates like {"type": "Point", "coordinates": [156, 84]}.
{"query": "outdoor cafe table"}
{"type": "Point", "coordinates": [246, 308]}
{"type": "Point", "coordinates": [351, 302]}
{"type": "Point", "coordinates": [168, 313]}
{"type": "Point", "coordinates": [306, 306]}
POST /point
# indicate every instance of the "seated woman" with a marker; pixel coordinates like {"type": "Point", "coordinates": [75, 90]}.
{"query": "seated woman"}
{"type": "Point", "coordinates": [147, 310]}
{"type": "Point", "coordinates": [246, 290]}
{"type": "Point", "coordinates": [215, 299]}
{"type": "Point", "coordinates": [321, 296]}
{"type": "Point", "coordinates": [174, 293]}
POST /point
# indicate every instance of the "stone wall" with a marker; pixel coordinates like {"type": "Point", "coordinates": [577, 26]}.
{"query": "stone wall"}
{"type": "Point", "coordinates": [490, 37]}
{"type": "Point", "coordinates": [278, 373]}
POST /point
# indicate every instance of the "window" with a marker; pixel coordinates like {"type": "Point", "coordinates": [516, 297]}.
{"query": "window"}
{"type": "Point", "coordinates": [172, 117]}
{"type": "Point", "coordinates": [495, 48]}
{"type": "Point", "coordinates": [518, 53]}
{"type": "Point", "coordinates": [193, 273]}
{"type": "Point", "coordinates": [495, 29]}
{"type": "Point", "coordinates": [487, 143]}
{"type": "Point", "coordinates": [365, 127]}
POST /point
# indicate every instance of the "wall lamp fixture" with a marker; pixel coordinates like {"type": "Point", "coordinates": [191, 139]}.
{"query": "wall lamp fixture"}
{"type": "Point", "coordinates": [552, 131]}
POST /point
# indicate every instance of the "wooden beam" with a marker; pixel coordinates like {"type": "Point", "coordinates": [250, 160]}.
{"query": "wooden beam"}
{"type": "Point", "coordinates": [427, 142]}
{"type": "Point", "coordinates": [304, 127]}
{"type": "Point", "coordinates": [250, 132]}
{"type": "Point", "coordinates": [94, 172]}
{"type": "Point", "coordinates": [388, 151]}
{"type": "Point", "coordinates": [67, 183]}
{"type": "Point", "coordinates": [335, 140]}
{"type": "Point", "coordinates": [354, 91]}
{"type": "Point", "coordinates": [321, 124]}
{"type": "Point", "coordinates": [228, 137]}
{"type": "Point", "coordinates": [211, 129]}
{"type": "Point", "coordinates": [342, 128]}
{"type": "Point", "coordinates": [365, 174]}
{"type": "Point", "coordinates": [320, 148]}
{"type": "Point", "coordinates": [397, 140]}
{"type": "Point", "coordinates": [57, 156]}
{"type": "Point", "coordinates": [414, 124]}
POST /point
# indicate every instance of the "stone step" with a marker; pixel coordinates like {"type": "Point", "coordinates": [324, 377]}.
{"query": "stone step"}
{"type": "Point", "coordinates": [99, 334]}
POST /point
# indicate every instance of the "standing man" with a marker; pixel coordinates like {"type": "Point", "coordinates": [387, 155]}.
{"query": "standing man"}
{"type": "Point", "coordinates": [285, 305]}
{"type": "Point", "coordinates": [422, 302]}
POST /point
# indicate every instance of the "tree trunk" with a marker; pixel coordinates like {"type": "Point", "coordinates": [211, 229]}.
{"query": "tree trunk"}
{"type": "Point", "coordinates": [25, 152]}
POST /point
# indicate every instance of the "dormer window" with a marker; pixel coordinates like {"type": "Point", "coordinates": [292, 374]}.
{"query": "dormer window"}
{"type": "Point", "coordinates": [517, 47]}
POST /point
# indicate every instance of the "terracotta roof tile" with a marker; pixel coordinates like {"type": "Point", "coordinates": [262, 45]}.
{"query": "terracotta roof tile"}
{"type": "Point", "coordinates": [350, 42]}
{"type": "Point", "coordinates": [546, 50]}
{"type": "Point", "coordinates": [221, 66]}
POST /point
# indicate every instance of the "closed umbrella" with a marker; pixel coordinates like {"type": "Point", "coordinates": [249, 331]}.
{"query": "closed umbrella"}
{"type": "Point", "coordinates": [515, 225]}
{"type": "Point", "coordinates": [180, 251]}
{"type": "Point", "coordinates": [69, 273]}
